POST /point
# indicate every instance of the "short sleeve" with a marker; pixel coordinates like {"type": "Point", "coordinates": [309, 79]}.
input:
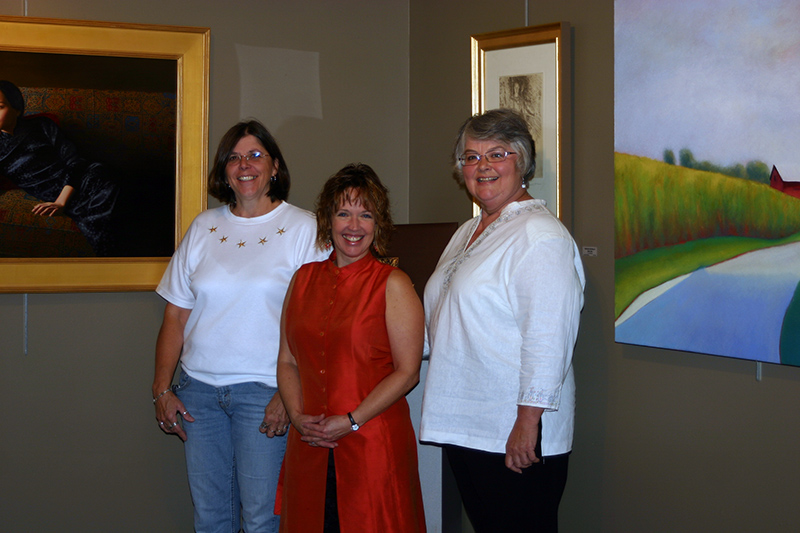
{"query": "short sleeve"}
{"type": "Point", "coordinates": [175, 285]}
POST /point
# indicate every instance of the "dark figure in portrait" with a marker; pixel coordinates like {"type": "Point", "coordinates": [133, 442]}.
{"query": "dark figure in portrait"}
{"type": "Point", "coordinates": [37, 157]}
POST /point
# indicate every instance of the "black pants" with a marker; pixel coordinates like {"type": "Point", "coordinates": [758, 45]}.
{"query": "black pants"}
{"type": "Point", "coordinates": [331, 504]}
{"type": "Point", "coordinates": [498, 500]}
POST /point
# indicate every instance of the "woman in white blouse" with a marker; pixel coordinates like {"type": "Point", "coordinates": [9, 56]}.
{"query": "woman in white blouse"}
{"type": "Point", "coordinates": [502, 312]}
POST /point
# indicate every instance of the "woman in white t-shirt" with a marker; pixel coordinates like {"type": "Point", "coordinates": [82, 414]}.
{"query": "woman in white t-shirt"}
{"type": "Point", "coordinates": [502, 311]}
{"type": "Point", "coordinates": [224, 289]}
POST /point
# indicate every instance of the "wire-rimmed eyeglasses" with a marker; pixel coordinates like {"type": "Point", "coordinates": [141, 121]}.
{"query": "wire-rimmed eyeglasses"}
{"type": "Point", "coordinates": [254, 156]}
{"type": "Point", "coordinates": [495, 156]}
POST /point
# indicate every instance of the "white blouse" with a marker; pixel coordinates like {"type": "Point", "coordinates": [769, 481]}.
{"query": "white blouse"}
{"type": "Point", "coordinates": [501, 318]}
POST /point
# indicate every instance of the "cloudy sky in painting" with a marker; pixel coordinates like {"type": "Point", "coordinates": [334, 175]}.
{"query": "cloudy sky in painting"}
{"type": "Point", "coordinates": [720, 77]}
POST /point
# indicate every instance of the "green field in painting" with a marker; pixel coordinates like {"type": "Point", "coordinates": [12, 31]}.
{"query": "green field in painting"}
{"type": "Point", "coordinates": [672, 220]}
{"type": "Point", "coordinates": [656, 205]}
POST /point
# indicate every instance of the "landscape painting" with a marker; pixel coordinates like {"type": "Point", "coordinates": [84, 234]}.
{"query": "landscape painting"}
{"type": "Point", "coordinates": [707, 177]}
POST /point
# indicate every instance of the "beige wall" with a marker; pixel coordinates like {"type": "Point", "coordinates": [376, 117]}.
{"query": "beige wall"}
{"type": "Point", "coordinates": [79, 446]}
{"type": "Point", "coordinates": [441, 95]}
{"type": "Point", "coordinates": [665, 441]}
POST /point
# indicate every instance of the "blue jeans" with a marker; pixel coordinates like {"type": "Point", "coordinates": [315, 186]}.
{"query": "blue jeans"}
{"type": "Point", "coordinates": [233, 468]}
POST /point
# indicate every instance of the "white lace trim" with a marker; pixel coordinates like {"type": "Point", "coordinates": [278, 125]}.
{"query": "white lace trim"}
{"type": "Point", "coordinates": [505, 216]}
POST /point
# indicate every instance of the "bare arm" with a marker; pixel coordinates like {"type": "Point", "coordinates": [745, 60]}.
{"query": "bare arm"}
{"type": "Point", "coordinates": [51, 208]}
{"type": "Point", "coordinates": [405, 323]}
{"type": "Point", "coordinates": [168, 352]}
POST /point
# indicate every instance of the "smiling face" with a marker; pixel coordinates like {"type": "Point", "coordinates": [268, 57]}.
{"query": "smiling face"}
{"type": "Point", "coordinates": [249, 179]}
{"type": "Point", "coordinates": [492, 185]}
{"type": "Point", "coordinates": [8, 115]}
{"type": "Point", "coordinates": [353, 230]}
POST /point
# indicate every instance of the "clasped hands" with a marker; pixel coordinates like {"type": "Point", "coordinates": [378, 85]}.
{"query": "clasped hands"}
{"type": "Point", "coordinates": [322, 431]}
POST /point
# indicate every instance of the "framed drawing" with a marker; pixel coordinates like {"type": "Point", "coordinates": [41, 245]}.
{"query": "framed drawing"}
{"type": "Point", "coordinates": [132, 102]}
{"type": "Point", "coordinates": [528, 70]}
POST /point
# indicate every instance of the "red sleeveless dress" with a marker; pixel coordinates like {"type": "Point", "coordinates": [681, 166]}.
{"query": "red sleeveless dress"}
{"type": "Point", "coordinates": [336, 330]}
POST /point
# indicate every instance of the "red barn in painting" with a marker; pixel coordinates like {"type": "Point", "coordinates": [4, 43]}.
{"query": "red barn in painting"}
{"type": "Point", "coordinates": [792, 188]}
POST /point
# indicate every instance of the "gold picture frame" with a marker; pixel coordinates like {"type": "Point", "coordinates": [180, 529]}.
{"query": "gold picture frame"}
{"type": "Point", "coordinates": [189, 47]}
{"type": "Point", "coordinates": [528, 69]}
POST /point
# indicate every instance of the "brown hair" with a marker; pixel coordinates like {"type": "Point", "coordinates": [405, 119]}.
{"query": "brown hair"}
{"type": "Point", "coordinates": [355, 182]}
{"type": "Point", "coordinates": [218, 177]}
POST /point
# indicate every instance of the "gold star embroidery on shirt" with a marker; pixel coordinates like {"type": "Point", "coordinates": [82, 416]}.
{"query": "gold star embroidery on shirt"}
{"type": "Point", "coordinates": [262, 240]}
{"type": "Point", "coordinates": [281, 231]}
{"type": "Point", "coordinates": [240, 244]}
{"type": "Point", "coordinates": [223, 239]}
{"type": "Point", "coordinates": [212, 229]}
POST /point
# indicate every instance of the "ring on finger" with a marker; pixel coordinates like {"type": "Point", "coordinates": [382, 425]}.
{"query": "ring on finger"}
{"type": "Point", "coordinates": [173, 425]}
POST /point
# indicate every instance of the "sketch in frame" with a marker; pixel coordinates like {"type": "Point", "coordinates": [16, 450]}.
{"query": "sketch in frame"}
{"type": "Point", "coordinates": [524, 94]}
{"type": "Point", "coordinates": [528, 70]}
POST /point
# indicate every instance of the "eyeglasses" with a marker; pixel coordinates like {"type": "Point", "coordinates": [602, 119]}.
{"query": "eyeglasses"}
{"type": "Point", "coordinates": [468, 160]}
{"type": "Point", "coordinates": [254, 156]}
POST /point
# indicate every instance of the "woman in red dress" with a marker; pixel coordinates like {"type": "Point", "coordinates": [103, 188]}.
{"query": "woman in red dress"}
{"type": "Point", "coordinates": [351, 347]}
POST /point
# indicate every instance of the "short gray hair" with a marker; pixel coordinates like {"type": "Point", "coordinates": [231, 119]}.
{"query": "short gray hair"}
{"type": "Point", "coordinates": [504, 125]}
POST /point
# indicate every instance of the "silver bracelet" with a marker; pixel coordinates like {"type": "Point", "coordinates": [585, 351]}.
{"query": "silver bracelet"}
{"type": "Point", "coordinates": [162, 394]}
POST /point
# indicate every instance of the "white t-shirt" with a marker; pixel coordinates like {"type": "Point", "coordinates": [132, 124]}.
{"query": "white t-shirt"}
{"type": "Point", "coordinates": [233, 272]}
{"type": "Point", "coordinates": [502, 318]}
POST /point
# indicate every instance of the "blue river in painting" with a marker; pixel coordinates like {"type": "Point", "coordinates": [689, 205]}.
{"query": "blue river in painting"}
{"type": "Point", "coordinates": [734, 309]}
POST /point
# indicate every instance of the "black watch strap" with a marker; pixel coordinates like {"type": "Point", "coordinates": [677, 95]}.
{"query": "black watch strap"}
{"type": "Point", "coordinates": [353, 424]}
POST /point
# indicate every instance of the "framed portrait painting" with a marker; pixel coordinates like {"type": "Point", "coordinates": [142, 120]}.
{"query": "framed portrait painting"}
{"type": "Point", "coordinates": [103, 167]}
{"type": "Point", "coordinates": [528, 70]}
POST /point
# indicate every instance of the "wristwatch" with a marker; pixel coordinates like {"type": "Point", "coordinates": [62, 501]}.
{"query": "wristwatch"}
{"type": "Point", "coordinates": [353, 424]}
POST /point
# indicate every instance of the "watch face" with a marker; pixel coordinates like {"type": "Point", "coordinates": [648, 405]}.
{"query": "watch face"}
{"type": "Point", "coordinates": [353, 424]}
